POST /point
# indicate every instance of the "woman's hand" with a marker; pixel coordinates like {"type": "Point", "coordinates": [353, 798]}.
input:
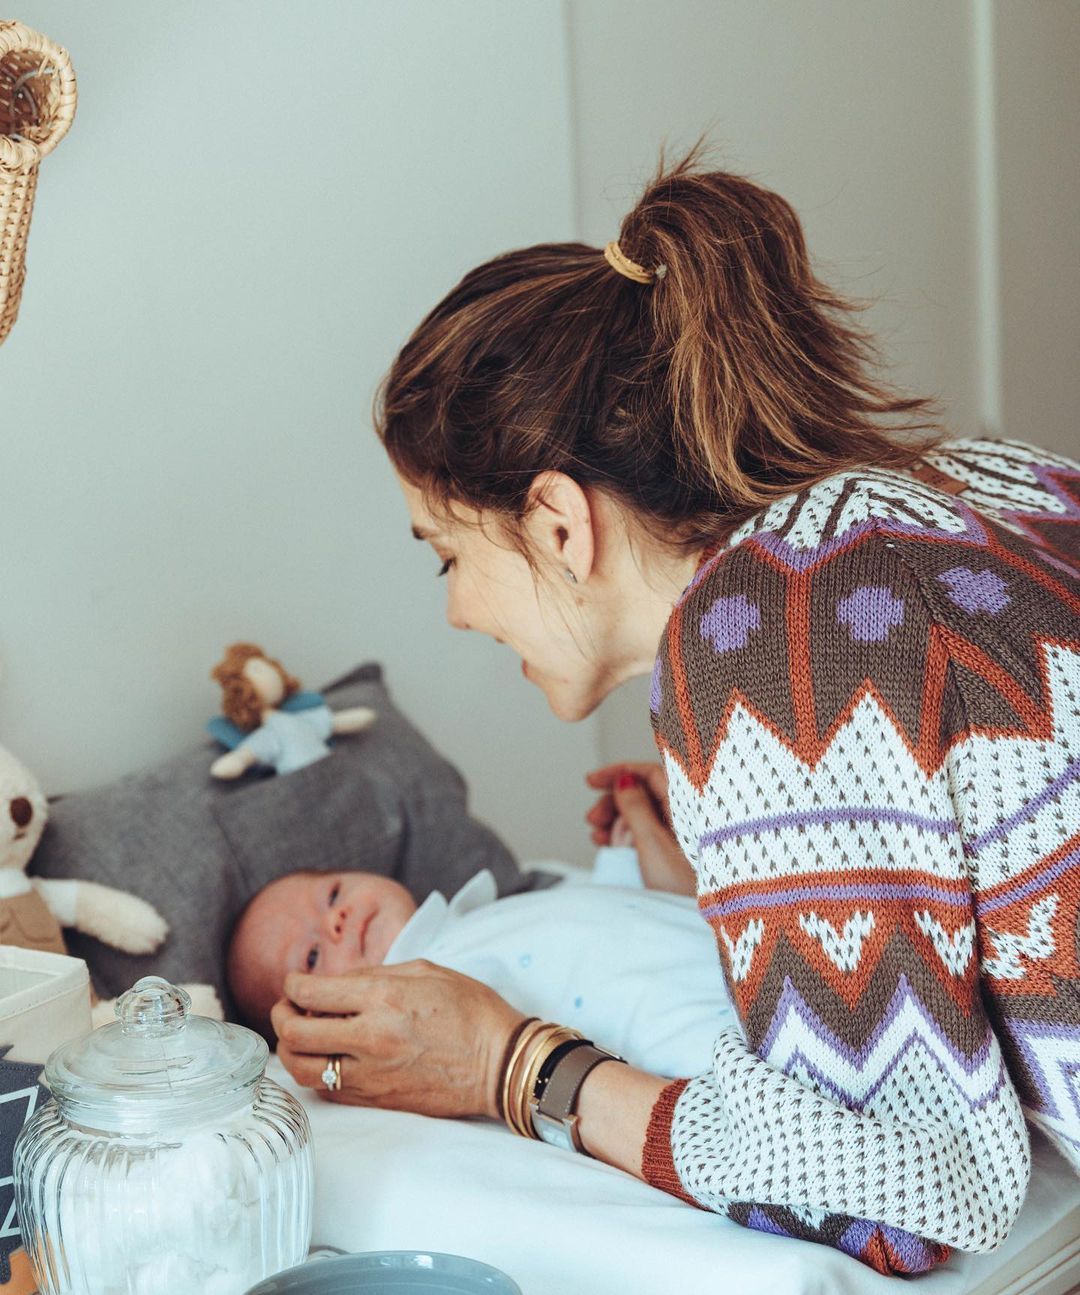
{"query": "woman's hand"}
{"type": "Point", "coordinates": [639, 793]}
{"type": "Point", "coordinates": [412, 1037]}
{"type": "Point", "coordinates": [652, 776]}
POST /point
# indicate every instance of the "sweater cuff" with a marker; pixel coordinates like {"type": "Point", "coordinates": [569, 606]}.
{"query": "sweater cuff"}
{"type": "Point", "coordinates": [657, 1163]}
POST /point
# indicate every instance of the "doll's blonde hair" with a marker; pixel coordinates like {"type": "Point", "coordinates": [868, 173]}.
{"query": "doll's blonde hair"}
{"type": "Point", "coordinates": [240, 702]}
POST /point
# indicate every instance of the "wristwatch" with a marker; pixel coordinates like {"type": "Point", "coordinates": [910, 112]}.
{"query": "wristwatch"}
{"type": "Point", "coordinates": [553, 1104]}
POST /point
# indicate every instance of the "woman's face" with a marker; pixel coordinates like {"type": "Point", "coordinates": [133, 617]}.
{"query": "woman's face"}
{"type": "Point", "coordinates": [562, 638]}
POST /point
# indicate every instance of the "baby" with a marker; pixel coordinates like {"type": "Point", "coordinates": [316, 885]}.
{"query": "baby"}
{"type": "Point", "coordinates": [311, 921]}
{"type": "Point", "coordinates": [635, 969]}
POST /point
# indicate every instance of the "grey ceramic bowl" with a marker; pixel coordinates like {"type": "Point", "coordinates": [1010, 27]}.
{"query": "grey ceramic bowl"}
{"type": "Point", "coordinates": [390, 1272]}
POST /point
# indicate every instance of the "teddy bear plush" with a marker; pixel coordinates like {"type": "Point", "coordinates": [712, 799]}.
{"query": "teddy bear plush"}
{"type": "Point", "coordinates": [34, 910]}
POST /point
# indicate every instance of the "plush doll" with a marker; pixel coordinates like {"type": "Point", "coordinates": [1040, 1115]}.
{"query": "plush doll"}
{"type": "Point", "coordinates": [268, 720]}
{"type": "Point", "coordinates": [34, 909]}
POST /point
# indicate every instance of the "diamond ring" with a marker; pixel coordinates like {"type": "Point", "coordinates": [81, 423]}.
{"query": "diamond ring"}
{"type": "Point", "coordinates": [331, 1075]}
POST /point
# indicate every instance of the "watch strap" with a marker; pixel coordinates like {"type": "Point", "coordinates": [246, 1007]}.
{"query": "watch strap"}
{"type": "Point", "coordinates": [560, 1094]}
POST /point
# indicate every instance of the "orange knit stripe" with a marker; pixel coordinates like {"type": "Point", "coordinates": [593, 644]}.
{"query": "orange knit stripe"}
{"type": "Point", "coordinates": [830, 877]}
{"type": "Point", "coordinates": [698, 772]}
{"type": "Point", "coordinates": [800, 669]}
{"type": "Point", "coordinates": [657, 1163]}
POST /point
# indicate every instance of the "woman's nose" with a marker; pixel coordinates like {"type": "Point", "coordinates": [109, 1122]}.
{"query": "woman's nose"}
{"type": "Point", "coordinates": [456, 618]}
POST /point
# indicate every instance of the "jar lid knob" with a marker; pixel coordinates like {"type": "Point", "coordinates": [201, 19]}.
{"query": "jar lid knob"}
{"type": "Point", "coordinates": [153, 1008]}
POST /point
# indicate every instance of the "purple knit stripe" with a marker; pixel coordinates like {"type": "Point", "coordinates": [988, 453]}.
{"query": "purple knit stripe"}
{"type": "Point", "coordinates": [656, 695]}
{"type": "Point", "coordinates": [857, 1237]}
{"type": "Point", "coordinates": [841, 813]}
{"type": "Point", "coordinates": [1059, 564]}
{"type": "Point", "coordinates": [1037, 883]}
{"type": "Point", "coordinates": [1044, 473]}
{"type": "Point", "coordinates": [1022, 1032]}
{"type": "Point", "coordinates": [859, 1101]}
{"type": "Point", "coordinates": [792, 1000]}
{"type": "Point", "coordinates": [705, 569]}
{"type": "Point", "coordinates": [803, 559]}
{"type": "Point", "coordinates": [826, 894]}
{"type": "Point", "coordinates": [760, 1222]}
{"type": "Point", "coordinates": [1029, 810]}
{"type": "Point", "coordinates": [914, 1254]}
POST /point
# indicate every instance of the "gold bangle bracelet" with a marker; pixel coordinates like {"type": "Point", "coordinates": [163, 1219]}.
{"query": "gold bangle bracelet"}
{"type": "Point", "coordinates": [515, 1073]}
{"type": "Point", "coordinates": [535, 1045]}
{"type": "Point", "coordinates": [530, 1032]}
{"type": "Point", "coordinates": [555, 1037]}
{"type": "Point", "coordinates": [511, 1068]}
{"type": "Point", "coordinates": [518, 1079]}
{"type": "Point", "coordinates": [526, 1031]}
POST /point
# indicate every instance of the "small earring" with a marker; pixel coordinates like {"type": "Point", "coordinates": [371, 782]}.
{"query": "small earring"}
{"type": "Point", "coordinates": [570, 576]}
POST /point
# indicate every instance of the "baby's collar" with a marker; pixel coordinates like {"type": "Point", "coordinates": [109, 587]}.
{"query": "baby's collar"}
{"type": "Point", "coordinates": [419, 931]}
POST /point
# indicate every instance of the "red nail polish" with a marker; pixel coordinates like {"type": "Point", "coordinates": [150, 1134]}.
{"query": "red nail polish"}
{"type": "Point", "coordinates": [627, 780]}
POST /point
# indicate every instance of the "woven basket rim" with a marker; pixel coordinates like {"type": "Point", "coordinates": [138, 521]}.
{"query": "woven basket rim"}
{"type": "Point", "coordinates": [21, 154]}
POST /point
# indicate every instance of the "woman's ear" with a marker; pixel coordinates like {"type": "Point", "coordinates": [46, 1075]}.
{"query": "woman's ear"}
{"type": "Point", "coordinates": [561, 523]}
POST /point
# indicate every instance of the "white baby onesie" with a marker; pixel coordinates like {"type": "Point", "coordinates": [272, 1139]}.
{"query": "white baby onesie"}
{"type": "Point", "coordinates": [635, 970]}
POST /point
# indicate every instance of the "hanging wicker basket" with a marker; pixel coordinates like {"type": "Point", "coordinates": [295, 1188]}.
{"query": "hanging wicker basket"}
{"type": "Point", "coordinates": [37, 104]}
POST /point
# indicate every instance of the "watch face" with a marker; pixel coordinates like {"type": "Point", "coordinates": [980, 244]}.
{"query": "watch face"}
{"type": "Point", "coordinates": [552, 1131]}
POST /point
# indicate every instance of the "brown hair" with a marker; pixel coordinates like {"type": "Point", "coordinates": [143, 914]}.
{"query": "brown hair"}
{"type": "Point", "coordinates": [240, 702]}
{"type": "Point", "coordinates": [693, 400]}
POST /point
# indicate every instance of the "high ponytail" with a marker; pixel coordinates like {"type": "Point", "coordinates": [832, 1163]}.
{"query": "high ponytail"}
{"type": "Point", "coordinates": [731, 378]}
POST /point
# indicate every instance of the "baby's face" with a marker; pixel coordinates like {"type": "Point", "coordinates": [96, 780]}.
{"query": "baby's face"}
{"type": "Point", "coordinates": [323, 922]}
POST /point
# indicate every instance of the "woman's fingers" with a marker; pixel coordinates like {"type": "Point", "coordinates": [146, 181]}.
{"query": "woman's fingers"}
{"type": "Point", "coordinates": [339, 995]}
{"type": "Point", "coordinates": [317, 1034]}
{"type": "Point", "coordinates": [415, 1036]}
{"type": "Point", "coordinates": [651, 776]}
{"type": "Point", "coordinates": [306, 1070]}
{"type": "Point", "coordinates": [602, 814]}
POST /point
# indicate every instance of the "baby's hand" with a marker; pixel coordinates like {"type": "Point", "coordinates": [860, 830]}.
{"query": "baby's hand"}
{"type": "Point", "coordinates": [620, 832]}
{"type": "Point", "coordinates": [603, 814]}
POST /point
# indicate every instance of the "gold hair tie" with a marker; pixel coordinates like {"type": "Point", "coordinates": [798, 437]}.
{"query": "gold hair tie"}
{"type": "Point", "coordinates": [619, 261]}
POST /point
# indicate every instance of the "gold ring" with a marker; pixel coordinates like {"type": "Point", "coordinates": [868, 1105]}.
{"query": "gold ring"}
{"type": "Point", "coordinates": [331, 1075]}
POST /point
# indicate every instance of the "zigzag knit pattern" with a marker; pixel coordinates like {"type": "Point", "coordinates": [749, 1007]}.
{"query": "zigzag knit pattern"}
{"type": "Point", "coordinates": [868, 706]}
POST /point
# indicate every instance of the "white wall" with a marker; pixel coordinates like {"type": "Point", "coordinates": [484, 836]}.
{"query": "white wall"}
{"type": "Point", "coordinates": [254, 207]}
{"type": "Point", "coordinates": [871, 120]}
{"type": "Point", "coordinates": [1035, 126]}
{"type": "Point", "coordinates": [257, 203]}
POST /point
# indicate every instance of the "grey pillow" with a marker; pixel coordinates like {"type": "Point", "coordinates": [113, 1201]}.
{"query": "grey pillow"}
{"type": "Point", "coordinates": [198, 848]}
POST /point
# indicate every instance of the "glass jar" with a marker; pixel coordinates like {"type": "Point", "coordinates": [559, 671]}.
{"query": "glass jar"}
{"type": "Point", "coordinates": [167, 1162]}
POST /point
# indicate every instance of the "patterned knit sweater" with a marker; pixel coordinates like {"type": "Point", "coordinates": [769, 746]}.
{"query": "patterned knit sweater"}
{"type": "Point", "coordinates": [868, 706]}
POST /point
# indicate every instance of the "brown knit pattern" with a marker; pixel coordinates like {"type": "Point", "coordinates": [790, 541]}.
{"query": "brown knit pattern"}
{"type": "Point", "coordinates": [868, 706]}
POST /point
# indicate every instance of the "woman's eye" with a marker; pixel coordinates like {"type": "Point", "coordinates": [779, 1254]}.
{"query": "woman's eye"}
{"type": "Point", "coordinates": [335, 890]}
{"type": "Point", "coordinates": [445, 567]}
{"type": "Point", "coordinates": [312, 958]}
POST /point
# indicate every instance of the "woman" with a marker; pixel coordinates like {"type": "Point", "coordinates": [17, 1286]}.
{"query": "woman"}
{"type": "Point", "coordinates": [865, 699]}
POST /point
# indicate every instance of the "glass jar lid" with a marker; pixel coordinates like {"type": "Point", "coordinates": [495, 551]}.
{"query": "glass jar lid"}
{"type": "Point", "coordinates": [157, 1066]}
